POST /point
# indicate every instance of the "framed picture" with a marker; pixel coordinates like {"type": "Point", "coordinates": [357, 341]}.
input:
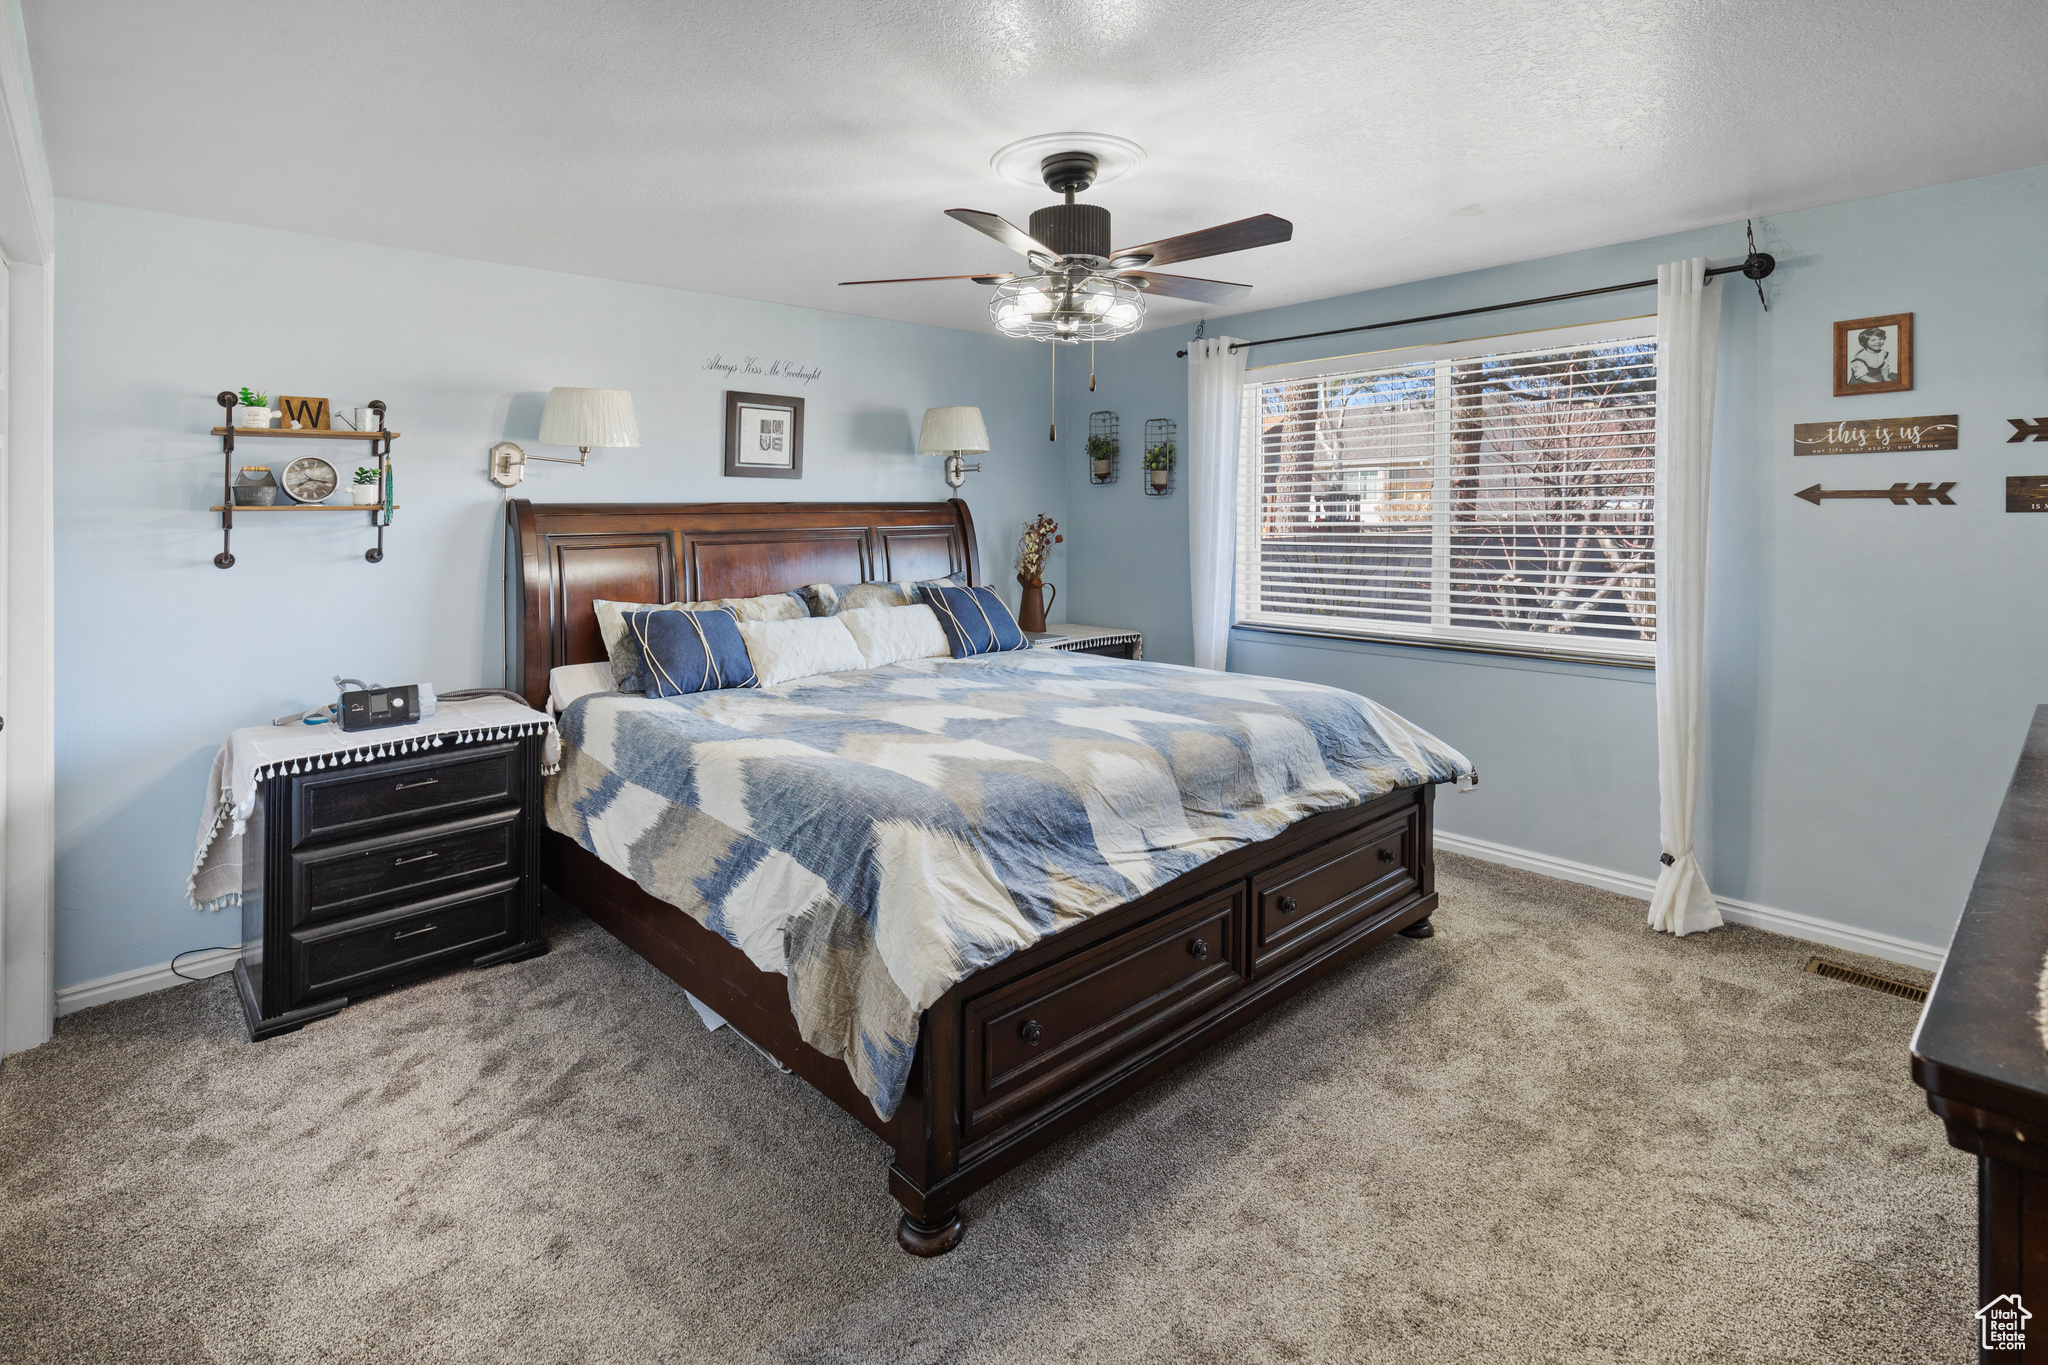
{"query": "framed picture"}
{"type": "Point", "coordinates": [764, 436]}
{"type": "Point", "coordinates": [1874, 355]}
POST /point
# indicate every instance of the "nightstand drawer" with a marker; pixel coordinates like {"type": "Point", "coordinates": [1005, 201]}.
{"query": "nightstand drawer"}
{"type": "Point", "coordinates": [330, 880]}
{"type": "Point", "coordinates": [404, 793]}
{"type": "Point", "coordinates": [331, 959]}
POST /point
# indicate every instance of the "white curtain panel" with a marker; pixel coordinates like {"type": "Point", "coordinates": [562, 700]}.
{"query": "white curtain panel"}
{"type": "Point", "coordinates": [1215, 391]}
{"type": "Point", "coordinates": [1688, 335]}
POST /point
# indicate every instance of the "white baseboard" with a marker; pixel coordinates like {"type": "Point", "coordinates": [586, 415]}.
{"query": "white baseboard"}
{"type": "Point", "coordinates": [214, 961]}
{"type": "Point", "coordinates": [1835, 935]}
{"type": "Point", "coordinates": [143, 980]}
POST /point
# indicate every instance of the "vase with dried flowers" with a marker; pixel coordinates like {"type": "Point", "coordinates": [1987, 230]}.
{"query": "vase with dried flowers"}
{"type": "Point", "coordinates": [1033, 549]}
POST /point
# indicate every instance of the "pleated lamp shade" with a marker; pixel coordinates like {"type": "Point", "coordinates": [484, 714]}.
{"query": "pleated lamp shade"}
{"type": "Point", "coordinates": [589, 417]}
{"type": "Point", "coordinates": [947, 430]}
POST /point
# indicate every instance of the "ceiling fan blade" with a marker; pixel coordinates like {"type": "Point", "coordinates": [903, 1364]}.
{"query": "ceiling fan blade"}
{"type": "Point", "coordinates": [1186, 286]}
{"type": "Point", "coordinates": [1009, 234]}
{"type": "Point", "coordinates": [920, 279]}
{"type": "Point", "coordinates": [1245, 233]}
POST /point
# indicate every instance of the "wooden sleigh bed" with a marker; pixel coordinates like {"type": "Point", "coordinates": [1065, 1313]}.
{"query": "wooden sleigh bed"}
{"type": "Point", "coordinates": [1026, 1050]}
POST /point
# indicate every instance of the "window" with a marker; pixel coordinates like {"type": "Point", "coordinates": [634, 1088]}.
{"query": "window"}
{"type": "Point", "coordinates": [1496, 494]}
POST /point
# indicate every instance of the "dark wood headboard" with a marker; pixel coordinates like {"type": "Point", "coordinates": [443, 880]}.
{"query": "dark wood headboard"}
{"type": "Point", "coordinates": [564, 556]}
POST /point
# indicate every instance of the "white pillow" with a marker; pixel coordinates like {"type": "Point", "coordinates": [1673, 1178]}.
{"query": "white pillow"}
{"type": "Point", "coordinates": [783, 650]}
{"type": "Point", "coordinates": [570, 681]}
{"type": "Point", "coordinates": [889, 635]}
{"type": "Point", "coordinates": [611, 628]}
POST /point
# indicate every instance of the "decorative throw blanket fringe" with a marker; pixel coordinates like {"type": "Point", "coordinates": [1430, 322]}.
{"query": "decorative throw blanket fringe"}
{"type": "Point", "coordinates": [365, 753]}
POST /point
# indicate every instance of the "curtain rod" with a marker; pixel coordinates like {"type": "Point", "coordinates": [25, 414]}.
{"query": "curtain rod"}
{"type": "Point", "coordinates": [1756, 266]}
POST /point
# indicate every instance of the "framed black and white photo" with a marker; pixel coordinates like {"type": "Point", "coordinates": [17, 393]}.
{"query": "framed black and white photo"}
{"type": "Point", "coordinates": [764, 436]}
{"type": "Point", "coordinates": [1874, 355]}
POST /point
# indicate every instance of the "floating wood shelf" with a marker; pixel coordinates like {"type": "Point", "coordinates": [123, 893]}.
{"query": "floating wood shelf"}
{"type": "Point", "coordinates": [306, 435]}
{"type": "Point", "coordinates": [380, 451]}
{"type": "Point", "coordinates": [372, 508]}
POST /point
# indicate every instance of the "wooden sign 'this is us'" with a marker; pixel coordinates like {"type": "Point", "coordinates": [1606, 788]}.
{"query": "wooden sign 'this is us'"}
{"type": "Point", "coordinates": [1880, 436]}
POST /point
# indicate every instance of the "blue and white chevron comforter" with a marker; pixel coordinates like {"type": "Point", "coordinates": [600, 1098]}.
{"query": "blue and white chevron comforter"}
{"type": "Point", "coordinates": [878, 836]}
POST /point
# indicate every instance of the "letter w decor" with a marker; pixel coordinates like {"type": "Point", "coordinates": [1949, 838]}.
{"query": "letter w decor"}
{"type": "Point", "coordinates": [304, 414]}
{"type": "Point", "coordinates": [1888, 435]}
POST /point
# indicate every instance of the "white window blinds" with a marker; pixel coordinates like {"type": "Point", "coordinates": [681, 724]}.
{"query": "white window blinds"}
{"type": "Point", "coordinates": [1496, 500]}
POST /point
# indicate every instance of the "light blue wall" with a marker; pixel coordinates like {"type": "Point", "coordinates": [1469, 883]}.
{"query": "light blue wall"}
{"type": "Point", "coordinates": [160, 654]}
{"type": "Point", "coordinates": [1872, 668]}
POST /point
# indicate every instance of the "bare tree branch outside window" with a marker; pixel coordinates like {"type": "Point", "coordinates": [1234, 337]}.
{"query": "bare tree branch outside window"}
{"type": "Point", "coordinates": [1500, 493]}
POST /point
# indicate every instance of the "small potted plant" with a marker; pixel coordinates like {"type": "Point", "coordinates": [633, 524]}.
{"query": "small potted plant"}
{"type": "Point", "coordinates": [1159, 463]}
{"type": "Point", "coordinates": [1103, 451]}
{"type": "Point", "coordinates": [369, 489]}
{"type": "Point", "coordinates": [254, 410]}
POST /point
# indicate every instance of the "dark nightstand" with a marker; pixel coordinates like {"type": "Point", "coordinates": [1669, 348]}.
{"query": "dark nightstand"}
{"type": "Point", "coordinates": [371, 873]}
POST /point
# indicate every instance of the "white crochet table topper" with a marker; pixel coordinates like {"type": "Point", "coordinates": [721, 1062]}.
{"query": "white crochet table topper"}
{"type": "Point", "coordinates": [258, 752]}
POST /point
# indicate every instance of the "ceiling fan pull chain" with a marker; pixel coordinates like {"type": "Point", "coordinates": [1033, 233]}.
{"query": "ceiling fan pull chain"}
{"type": "Point", "coordinates": [1052, 432]}
{"type": "Point", "coordinates": [1091, 367]}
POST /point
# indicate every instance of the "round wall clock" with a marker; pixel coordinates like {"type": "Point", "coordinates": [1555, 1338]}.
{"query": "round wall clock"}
{"type": "Point", "coordinates": [310, 479]}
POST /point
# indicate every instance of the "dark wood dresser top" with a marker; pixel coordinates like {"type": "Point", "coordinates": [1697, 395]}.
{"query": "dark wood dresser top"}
{"type": "Point", "coordinates": [1979, 1042]}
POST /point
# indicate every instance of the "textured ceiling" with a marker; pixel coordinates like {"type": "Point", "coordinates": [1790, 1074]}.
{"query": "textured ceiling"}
{"type": "Point", "coordinates": [768, 150]}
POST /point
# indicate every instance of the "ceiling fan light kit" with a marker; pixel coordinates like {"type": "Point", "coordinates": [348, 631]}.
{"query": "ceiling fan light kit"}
{"type": "Point", "coordinates": [1058, 307]}
{"type": "Point", "coordinates": [1081, 288]}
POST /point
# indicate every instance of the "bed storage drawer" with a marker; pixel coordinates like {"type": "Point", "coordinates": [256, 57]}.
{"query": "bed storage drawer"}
{"type": "Point", "coordinates": [440, 784]}
{"type": "Point", "coordinates": [332, 959]}
{"type": "Point", "coordinates": [1031, 1040]}
{"type": "Point", "coordinates": [344, 879]}
{"type": "Point", "coordinates": [1331, 888]}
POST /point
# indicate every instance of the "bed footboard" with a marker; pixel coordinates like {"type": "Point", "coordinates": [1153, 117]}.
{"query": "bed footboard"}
{"type": "Point", "coordinates": [1023, 1052]}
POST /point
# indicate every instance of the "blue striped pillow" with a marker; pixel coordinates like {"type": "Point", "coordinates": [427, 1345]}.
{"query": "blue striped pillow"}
{"type": "Point", "coordinates": [976, 620]}
{"type": "Point", "coordinates": [690, 651]}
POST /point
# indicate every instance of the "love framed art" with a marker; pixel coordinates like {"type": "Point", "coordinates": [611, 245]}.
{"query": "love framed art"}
{"type": "Point", "coordinates": [764, 436]}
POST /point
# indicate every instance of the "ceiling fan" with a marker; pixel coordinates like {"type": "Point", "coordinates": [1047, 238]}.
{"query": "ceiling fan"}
{"type": "Point", "coordinates": [1080, 288]}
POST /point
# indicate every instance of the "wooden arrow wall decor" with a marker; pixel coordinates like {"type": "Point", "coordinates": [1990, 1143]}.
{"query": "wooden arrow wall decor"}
{"type": "Point", "coordinates": [1921, 494]}
{"type": "Point", "coordinates": [2022, 429]}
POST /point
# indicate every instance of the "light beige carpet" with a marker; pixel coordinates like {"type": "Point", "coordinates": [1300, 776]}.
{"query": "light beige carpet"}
{"type": "Point", "coordinates": [1546, 1134]}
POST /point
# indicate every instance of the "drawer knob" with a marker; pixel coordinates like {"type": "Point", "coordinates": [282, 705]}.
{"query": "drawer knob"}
{"type": "Point", "coordinates": [1386, 855]}
{"type": "Point", "coordinates": [1199, 950]}
{"type": "Point", "coordinates": [1287, 905]}
{"type": "Point", "coordinates": [1031, 1032]}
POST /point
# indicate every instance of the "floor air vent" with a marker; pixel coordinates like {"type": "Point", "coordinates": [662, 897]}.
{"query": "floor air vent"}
{"type": "Point", "coordinates": [1905, 990]}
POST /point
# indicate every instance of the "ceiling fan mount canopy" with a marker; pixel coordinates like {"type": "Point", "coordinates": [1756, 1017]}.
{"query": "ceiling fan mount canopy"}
{"type": "Point", "coordinates": [1070, 172]}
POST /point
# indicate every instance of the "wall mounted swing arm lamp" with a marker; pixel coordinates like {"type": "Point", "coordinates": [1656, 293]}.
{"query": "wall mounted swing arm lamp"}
{"type": "Point", "coordinates": [573, 417]}
{"type": "Point", "coordinates": [953, 433]}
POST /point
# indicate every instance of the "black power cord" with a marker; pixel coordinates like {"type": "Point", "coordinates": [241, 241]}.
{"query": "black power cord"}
{"type": "Point", "coordinates": [217, 948]}
{"type": "Point", "coordinates": [472, 693]}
